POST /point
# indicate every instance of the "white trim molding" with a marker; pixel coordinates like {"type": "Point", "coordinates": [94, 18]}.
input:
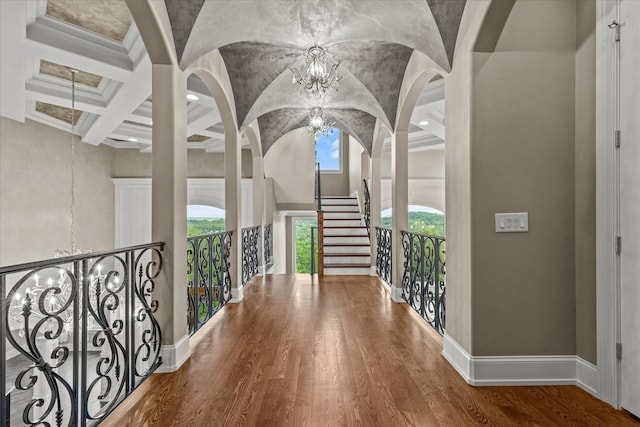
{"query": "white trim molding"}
{"type": "Point", "coordinates": [396, 294]}
{"type": "Point", "coordinates": [174, 355]}
{"type": "Point", "coordinates": [237, 295]}
{"type": "Point", "coordinates": [520, 370]}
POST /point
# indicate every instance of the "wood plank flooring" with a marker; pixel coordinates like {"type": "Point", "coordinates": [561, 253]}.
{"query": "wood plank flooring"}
{"type": "Point", "coordinates": [336, 352]}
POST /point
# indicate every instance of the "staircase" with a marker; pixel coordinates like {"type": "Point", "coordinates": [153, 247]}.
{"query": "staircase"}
{"type": "Point", "coordinates": [347, 250]}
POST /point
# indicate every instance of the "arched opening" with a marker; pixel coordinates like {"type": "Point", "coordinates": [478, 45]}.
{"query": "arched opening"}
{"type": "Point", "coordinates": [422, 219]}
{"type": "Point", "coordinates": [204, 219]}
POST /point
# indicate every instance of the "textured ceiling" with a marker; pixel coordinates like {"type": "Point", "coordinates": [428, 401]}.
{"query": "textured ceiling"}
{"type": "Point", "coordinates": [277, 123]}
{"type": "Point", "coordinates": [60, 71]}
{"type": "Point", "coordinates": [259, 41]}
{"type": "Point", "coordinates": [61, 113]}
{"type": "Point", "coordinates": [108, 18]}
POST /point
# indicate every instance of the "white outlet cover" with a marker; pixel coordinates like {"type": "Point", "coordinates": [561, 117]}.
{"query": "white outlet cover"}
{"type": "Point", "coordinates": [512, 222]}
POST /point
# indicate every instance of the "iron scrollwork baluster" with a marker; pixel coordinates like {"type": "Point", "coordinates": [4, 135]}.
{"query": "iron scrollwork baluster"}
{"type": "Point", "coordinates": [250, 254]}
{"type": "Point", "coordinates": [74, 332]}
{"type": "Point", "coordinates": [208, 277]}
{"type": "Point", "coordinates": [383, 255]}
{"type": "Point", "coordinates": [32, 342]}
{"type": "Point", "coordinates": [148, 264]}
{"type": "Point", "coordinates": [423, 278]}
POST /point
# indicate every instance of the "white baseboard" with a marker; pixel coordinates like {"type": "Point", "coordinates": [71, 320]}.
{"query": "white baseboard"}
{"type": "Point", "coordinates": [587, 376]}
{"type": "Point", "coordinates": [237, 295]}
{"type": "Point", "coordinates": [173, 356]}
{"type": "Point", "coordinates": [457, 357]}
{"type": "Point", "coordinates": [396, 294]}
{"type": "Point", "coordinates": [373, 272]}
{"type": "Point", "coordinates": [520, 370]}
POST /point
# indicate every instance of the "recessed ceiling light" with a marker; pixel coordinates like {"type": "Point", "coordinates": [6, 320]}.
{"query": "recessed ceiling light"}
{"type": "Point", "coordinates": [192, 97]}
{"type": "Point", "coordinates": [132, 140]}
{"type": "Point", "coordinates": [424, 123]}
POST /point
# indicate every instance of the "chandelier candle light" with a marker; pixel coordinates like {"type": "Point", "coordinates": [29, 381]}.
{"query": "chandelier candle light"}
{"type": "Point", "coordinates": [318, 123]}
{"type": "Point", "coordinates": [317, 79]}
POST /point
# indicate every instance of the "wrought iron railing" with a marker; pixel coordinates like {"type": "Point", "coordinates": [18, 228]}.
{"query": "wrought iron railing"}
{"type": "Point", "coordinates": [318, 187]}
{"type": "Point", "coordinates": [250, 253]}
{"type": "Point", "coordinates": [423, 278]}
{"type": "Point", "coordinates": [268, 245]}
{"type": "Point", "coordinates": [314, 250]}
{"type": "Point", "coordinates": [367, 207]}
{"type": "Point", "coordinates": [208, 277]}
{"type": "Point", "coordinates": [81, 335]}
{"type": "Point", "coordinates": [383, 255]}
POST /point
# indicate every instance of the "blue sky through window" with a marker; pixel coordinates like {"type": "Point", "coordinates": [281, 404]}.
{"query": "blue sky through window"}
{"type": "Point", "coordinates": [328, 148]}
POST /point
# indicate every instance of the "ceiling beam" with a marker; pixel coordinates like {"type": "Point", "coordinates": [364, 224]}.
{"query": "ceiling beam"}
{"type": "Point", "coordinates": [60, 94]}
{"type": "Point", "coordinates": [65, 44]}
{"type": "Point", "coordinates": [126, 100]}
{"type": "Point", "coordinates": [13, 21]}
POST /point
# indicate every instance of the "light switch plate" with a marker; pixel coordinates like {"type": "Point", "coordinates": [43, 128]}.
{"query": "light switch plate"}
{"type": "Point", "coordinates": [513, 222]}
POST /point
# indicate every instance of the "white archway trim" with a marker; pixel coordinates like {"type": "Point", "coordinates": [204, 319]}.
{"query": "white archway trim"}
{"type": "Point", "coordinates": [424, 192]}
{"type": "Point", "coordinates": [213, 72]}
{"type": "Point", "coordinates": [420, 70]}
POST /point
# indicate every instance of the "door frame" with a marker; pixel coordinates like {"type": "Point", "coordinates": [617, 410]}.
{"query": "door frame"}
{"type": "Point", "coordinates": [608, 323]}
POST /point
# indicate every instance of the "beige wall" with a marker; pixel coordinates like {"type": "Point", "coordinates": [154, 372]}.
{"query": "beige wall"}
{"type": "Point", "coordinates": [131, 163]}
{"type": "Point", "coordinates": [355, 166]}
{"type": "Point", "coordinates": [426, 164]}
{"type": "Point", "coordinates": [35, 193]}
{"type": "Point", "coordinates": [524, 141]}
{"type": "Point", "coordinates": [585, 173]}
{"type": "Point", "coordinates": [291, 164]}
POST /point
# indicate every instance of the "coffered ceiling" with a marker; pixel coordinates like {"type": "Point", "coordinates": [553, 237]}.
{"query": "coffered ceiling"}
{"type": "Point", "coordinates": [258, 40]}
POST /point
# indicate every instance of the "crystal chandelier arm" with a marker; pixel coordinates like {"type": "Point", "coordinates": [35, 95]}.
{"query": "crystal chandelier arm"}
{"type": "Point", "coordinates": [332, 76]}
{"type": "Point", "coordinates": [297, 78]}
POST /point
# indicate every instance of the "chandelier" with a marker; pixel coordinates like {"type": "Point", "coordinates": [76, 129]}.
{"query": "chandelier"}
{"type": "Point", "coordinates": [318, 123]}
{"type": "Point", "coordinates": [73, 250]}
{"type": "Point", "coordinates": [317, 79]}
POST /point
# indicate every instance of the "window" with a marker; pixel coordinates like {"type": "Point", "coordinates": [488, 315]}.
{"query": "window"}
{"type": "Point", "coordinates": [202, 219]}
{"type": "Point", "coordinates": [329, 151]}
{"type": "Point", "coordinates": [422, 219]}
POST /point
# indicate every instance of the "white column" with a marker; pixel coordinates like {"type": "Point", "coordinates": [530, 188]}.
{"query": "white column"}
{"type": "Point", "coordinates": [400, 206]}
{"type": "Point", "coordinates": [258, 203]}
{"type": "Point", "coordinates": [365, 172]}
{"type": "Point", "coordinates": [233, 208]}
{"type": "Point", "coordinates": [169, 209]}
{"type": "Point", "coordinates": [375, 191]}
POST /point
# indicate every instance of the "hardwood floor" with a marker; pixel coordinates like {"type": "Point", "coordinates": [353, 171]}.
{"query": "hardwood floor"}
{"type": "Point", "coordinates": [298, 352]}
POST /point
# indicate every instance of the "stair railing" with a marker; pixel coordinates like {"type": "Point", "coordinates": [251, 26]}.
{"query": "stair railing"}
{"type": "Point", "coordinates": [367, 208]}
{"type": "Point", "coordinates": [318, 187]}
{"type": "Point", "coordinates": [314, 232]}
{"type": "Point", "coordinates": [320, 223]}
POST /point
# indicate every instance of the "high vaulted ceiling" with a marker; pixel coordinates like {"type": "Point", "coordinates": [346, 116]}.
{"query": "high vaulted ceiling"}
{"type": "Point", "coordinates": [259, 41]}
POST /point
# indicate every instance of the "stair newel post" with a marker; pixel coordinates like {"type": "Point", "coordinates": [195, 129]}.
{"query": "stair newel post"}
{"type": "Point", "coordinates": [320, 243]}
